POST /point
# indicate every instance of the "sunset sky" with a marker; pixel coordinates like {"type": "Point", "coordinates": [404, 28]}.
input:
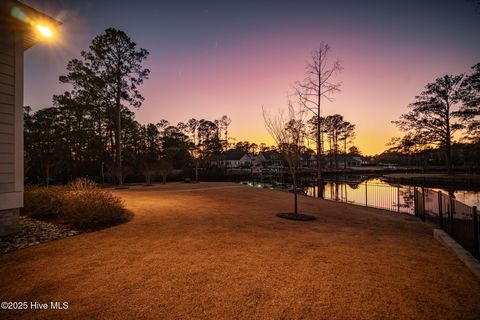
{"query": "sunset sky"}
{"type": "Point", "coordinates": [210, 58]}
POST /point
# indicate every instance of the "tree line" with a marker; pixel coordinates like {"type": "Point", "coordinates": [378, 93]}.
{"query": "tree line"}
{"type": "Point", "coordinates": [91, 129]}
{"type": "Point", "coordinates": [62, 143]}
{"type": "Point", "coordinates": [447, 112]}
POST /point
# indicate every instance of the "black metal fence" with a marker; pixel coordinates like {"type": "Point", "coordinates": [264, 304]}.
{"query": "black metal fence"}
{"type": "Point", "coordinates": [459, 220]}
{"type": "Point", "coordinates": [456, 218]}
{"type": "Point", "coordinates": [380, 195]}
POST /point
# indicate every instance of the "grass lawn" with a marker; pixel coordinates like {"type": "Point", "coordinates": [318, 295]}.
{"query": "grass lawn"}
{"type": "Point", "coordinates": [219, 252]}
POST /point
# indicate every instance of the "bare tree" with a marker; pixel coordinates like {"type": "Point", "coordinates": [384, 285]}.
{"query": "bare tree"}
{"type": "Point", "coordinates": [317, 85]}
{"type": "Point", "coordinates": [148, 168]}
{"type": "Point", "coordinates": [164, 168]}
{"type": "Point", "coordinates": [289, 133]}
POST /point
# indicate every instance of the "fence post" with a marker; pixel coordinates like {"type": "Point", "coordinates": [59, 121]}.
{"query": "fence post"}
{"type": "Point", "coordinates": [476, 254]}
{"type": "Point", "coordinates": [440, 210]}
{"type": "Point", "coordinates": [366, 194]}
{"type": "Point", "coordinates": [398, 197]}
{"type": "Point", "coordinates": [452, 212]}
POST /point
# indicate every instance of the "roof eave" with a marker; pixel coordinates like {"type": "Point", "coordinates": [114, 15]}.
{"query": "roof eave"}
{"type": "Point", "coordinates": [31, 37]}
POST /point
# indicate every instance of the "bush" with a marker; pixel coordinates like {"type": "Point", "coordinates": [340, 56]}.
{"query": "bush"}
{"type": "Point", "coordinates": [81, 184]}
{"type": "Point", "coordinates": [82, 205]}
{"type": "Point", "coordinates": [94, 209]}
{"type": "Point", "coordinates": [44, 202]}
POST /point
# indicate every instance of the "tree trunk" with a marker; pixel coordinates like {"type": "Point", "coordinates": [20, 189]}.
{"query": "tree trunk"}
{"type": "Point", "coordinates": [102, 172]}
{"type": "Point", "coordinates": [448, 142]}
{"type": "Point", "coordinates": [335, 150]}
{"type": "Point", "coordinates": [118, 146]}
{"type": "Point", "coordinates": [118, 129]}
{"type": "Point", "coordinates": [196, 170]}
{"type": "Point", "coordinates": [295, 202]}
{"type": "Point", "coordinates": [47, 175]}
{"type": "Point", "coordinates": [319, 142]}
{"type": "Point", "coordinates": [448, 152]}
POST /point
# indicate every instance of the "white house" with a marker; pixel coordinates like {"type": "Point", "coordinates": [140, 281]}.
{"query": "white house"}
{"type": "Point", "coordinates": [21, 27]}
{"type": "Point", "coordinates": [349, 161]}
{"type": "Point", "coordinates": [233, 159]}
{"type": "Point", "coordinates": [271, 159]}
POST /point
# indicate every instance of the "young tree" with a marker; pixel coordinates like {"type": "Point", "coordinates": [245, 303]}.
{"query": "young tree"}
{"type": "Point", "coordinates": [317, 85]}
{"type": "Point", "coordinates": [164, 167]}
{"type": "Point", "coordinates": [289, 133]}
{"type": "Point", "coordinates": [148, 169]}
{"type": "Point", "coordinates": [433, 117]}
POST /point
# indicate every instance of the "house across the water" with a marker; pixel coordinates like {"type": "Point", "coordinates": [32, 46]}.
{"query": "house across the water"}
{"type": "Point", "coordinates": [234, 159]}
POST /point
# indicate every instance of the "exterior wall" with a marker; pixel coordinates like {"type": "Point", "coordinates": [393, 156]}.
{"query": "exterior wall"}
{"type": "Point", "coordinates": [7, 112]}
{"type": "Point", "coordinates": [11, 128]}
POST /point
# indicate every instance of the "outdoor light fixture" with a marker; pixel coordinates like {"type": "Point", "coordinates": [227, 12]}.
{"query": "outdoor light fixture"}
{"type": "Point", "coordinates": [44, 31]}
{"type": "Point", "coordinates": [41, 28]}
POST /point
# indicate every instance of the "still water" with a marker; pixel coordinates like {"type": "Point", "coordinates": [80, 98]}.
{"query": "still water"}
{"type": "Point", "coordinates": [378, 193]}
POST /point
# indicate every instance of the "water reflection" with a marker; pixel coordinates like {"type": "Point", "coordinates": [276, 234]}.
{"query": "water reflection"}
{"type": "Point", "coordinates": [374, 192]}
{"type": "Point", "coordinates": [369, 192]}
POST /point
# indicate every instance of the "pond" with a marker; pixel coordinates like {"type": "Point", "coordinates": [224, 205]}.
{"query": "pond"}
{"type": "Point", "coordinates": [373, 191]}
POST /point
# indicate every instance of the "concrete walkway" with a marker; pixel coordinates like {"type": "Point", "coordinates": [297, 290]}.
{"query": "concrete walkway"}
{"type": "Point", "coordinates": [223, 254]}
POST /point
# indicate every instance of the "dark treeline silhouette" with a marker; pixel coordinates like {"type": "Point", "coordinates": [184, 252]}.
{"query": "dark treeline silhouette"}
{"type": "Point", "coordinates": [336, 133]}
{"type": "Point", "coordinates": [91, 131]}
{"type": "Point", "coordinates": [447, 112]}
{"type": "Point", "coordinates": [63, 143]}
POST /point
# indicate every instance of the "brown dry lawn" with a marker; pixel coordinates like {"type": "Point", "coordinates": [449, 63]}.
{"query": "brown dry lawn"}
{"type": "Point", "coordinates": [220, 253]}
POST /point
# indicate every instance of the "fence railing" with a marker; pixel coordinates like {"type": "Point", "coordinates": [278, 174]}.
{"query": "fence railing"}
{"type": "Point", "coordinates": [459, 220]}
{"type": "Point", "coordinates": [456, 218]}
{"type": "Point", "coordinates": [398, 198]}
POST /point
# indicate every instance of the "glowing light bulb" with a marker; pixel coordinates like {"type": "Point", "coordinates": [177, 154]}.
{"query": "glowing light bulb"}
{"type": "Point", "coordinates": [44, 31]}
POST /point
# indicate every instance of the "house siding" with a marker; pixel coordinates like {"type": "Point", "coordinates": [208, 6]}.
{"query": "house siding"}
{"type": "Point", "coordinates": [11, 129]}
{"type": "Point", "coordinates": [7, 111]}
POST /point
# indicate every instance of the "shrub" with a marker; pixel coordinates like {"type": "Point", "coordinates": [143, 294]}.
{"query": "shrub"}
{"type": "Point", "coordinates": [94, 209]}
{"type": "Point", "coordinates": [81, 184]}
{"type": "Point", "coordinates": [81, 204]}
{"type": "Point", "coordinates": [44, 202]}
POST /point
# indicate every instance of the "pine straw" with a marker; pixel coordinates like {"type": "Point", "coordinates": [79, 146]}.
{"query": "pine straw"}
{"type": "Point", "coordinates": [223, 254]}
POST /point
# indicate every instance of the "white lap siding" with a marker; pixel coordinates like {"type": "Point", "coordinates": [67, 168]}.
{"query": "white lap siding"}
{"type": "Point", "coordinates": [11, 119]}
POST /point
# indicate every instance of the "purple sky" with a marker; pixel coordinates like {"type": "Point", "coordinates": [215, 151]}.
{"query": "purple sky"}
{"type": "Point", "coordinates": [209, 58]}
